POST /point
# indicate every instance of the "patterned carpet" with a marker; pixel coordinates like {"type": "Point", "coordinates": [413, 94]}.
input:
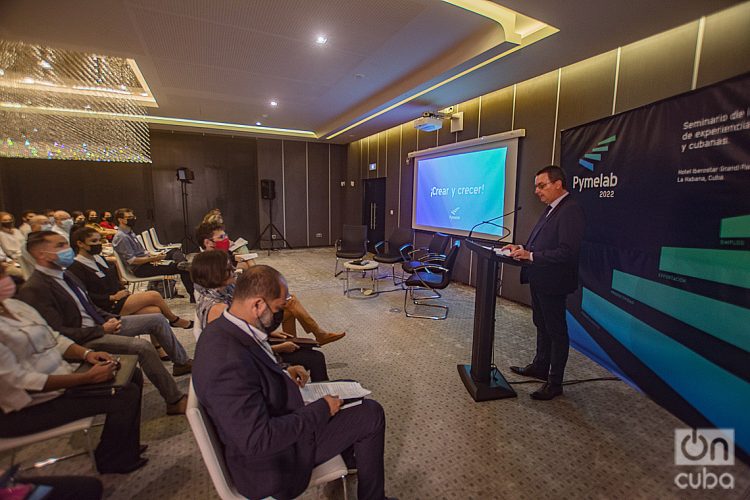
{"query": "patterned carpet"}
{"type": "Point", "coordinates": [600, 440]}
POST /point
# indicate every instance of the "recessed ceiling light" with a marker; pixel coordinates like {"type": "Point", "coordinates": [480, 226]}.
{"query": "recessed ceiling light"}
{"type": "Point", "coordinates": [274, 103]}
{"type": "Point", "coordinates": [258, 123]}
{"type": "Point", "coordinates": [321, 39]}
{"type": "Point", "coordinates": [44, 64]}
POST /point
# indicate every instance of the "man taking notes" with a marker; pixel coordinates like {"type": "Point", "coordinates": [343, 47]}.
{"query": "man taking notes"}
{"type": "Point", "coordinates": [271, 439]}
{"type": "Point", "coordinates": [552, 253]}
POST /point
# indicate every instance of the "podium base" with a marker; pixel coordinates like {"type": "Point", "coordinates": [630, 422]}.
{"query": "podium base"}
{"type": "Point", "coordinates": [498, 387]}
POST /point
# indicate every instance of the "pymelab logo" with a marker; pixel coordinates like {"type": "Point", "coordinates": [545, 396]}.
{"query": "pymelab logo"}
{"type": "Point", "coordinates": [454, 214]}
{"type": "Point", "coordinates": [597, 181]}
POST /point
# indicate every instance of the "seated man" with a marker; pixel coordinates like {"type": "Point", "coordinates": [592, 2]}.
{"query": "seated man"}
{"type": "Point", "coordinates": [34, 377]}
{"type": "Point", "coordinates": [271, 439]}
{"type": "Point", "coordinates": [25, 226]}
{"type": "Point", "coordinates": [213, 237]}
{"type": "Point", "coordinates": [63, 223]}
{"type": "Point", "coordinates": [63, 302]}
{"type": "Point", "coordinates": [140, 261]}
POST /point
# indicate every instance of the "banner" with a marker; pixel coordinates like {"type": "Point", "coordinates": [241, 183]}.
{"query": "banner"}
{"type": "Point", "coordinates": [664, 300]}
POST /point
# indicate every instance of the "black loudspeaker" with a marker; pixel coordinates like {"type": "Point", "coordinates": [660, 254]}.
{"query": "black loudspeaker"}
{"type": "Point", "coordinates": [185, 175]}
{"type": "Point", "coordinates": [268, 189]}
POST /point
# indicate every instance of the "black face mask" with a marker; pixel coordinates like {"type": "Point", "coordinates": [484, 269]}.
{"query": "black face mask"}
{"type": "Point", "coordinates": [107, 218]}
{"type": "Point", "coordinates": [7, 225]}
{"type": "Point", "coordinates": [93, 219]}
{"type": "Point", "coordinates": [276, 320]}
{"type": "Point", "coordinates": [131, 223]}
{"type": "Point", "coordinates": [95, 249]}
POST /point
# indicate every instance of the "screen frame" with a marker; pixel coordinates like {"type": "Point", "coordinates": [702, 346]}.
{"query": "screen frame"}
{"type": "Point", "coordinates": [504, 139]}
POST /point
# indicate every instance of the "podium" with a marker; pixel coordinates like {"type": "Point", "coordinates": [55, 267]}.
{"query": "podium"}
{"type": "Point", "coordinates": [484, 382]}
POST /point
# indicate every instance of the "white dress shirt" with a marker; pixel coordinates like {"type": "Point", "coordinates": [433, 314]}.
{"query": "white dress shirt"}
{"type": "Point", "coordinates": [30, 351]}
{"type": "Point", "coordinates": [261, 338]}
{"type": "Point", "coordinates": [86, 319]}
{"type": "Point", "coordinates": [62, 232]}
{"type": "Point", "coordinates": [12, 243]}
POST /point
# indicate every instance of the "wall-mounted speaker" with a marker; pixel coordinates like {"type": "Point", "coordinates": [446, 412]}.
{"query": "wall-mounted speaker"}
{"type": "Point", "coordinates": [268, 189]}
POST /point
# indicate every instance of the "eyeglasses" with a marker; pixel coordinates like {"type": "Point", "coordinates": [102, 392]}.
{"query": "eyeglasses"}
{"type": "Point", "coordinates": [542, 185]}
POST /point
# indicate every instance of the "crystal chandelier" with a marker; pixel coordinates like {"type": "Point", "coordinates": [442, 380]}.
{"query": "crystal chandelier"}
{"type": "Point", "coordinates": [67, 105]}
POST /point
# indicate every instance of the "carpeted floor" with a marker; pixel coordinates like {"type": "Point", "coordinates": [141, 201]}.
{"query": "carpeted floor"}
{"type": "Point", "coordinates": [600, 440]}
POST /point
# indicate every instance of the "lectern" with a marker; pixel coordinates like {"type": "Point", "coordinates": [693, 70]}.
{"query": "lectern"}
{"type": "Point", "coordinates": [484, 382]}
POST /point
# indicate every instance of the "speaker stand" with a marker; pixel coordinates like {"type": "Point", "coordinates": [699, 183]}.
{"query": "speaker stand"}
{"type": "Point", "coordinates": [272, 230]}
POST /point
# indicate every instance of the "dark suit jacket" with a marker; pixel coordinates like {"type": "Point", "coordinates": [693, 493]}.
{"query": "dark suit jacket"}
{"type": "Point", "coordinates": [556, 249]}
{"type": "Point", "coordinates": [267, 432]}
{"type": "Point", "coordinates": [58, 308]}
{"type": "Point", "coordinates": [99, 289]}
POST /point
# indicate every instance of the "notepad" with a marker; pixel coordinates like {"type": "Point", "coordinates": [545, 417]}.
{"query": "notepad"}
{"type": "Point", "coordinates": [351, 392]}
{"type": "Point", "coordinates": [237, 244]}
{"type": "Point", "coordinates": [246, 256]}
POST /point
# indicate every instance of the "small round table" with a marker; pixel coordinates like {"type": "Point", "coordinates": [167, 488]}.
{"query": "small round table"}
{"type": "Point", "coordinates": [361, 266]}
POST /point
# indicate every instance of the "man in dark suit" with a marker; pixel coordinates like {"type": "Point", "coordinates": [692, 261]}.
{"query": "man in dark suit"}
{"type": "Point", "coordinates": [551, 254]}
{"type": "Point", "coordinates": [62, 301]}
{"type": "Point", "coordinates": [271, 439]}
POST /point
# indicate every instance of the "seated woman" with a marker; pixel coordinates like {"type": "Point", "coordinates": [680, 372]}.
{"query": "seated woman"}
{"type": "Point", "coordinates": [103, 284]}
{"type": "Point", "coordinates": [34, 377]}
{"type": "Point", "coordinates": [212, 236]}
{"type": "Point", "coordinates": [92, 221]}
{"type": "Point", "coordinates": [213, 275]}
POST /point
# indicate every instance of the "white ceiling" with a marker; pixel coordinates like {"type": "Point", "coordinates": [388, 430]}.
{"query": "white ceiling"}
{"type": "Point", "coordinates": [224, 60]}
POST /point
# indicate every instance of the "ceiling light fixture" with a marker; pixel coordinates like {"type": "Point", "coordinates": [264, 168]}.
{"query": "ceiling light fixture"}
{"type": "Point", "coordinates": [274, 103]}
{"type": "Point", "coordinates": [258, 123]}
{"type": "Point", "coordinates": [44, 64]}
{"type": "Point", "coordinates": [321, 39]}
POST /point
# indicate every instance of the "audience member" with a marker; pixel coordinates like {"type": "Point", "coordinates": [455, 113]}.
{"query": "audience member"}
{"type": "Point", "coordinates": [50, 214]}
{"type": "Point", "coordinates": [34, 377]}
{"type": "Point", "coordinates": [141, 263]}
{"type": "Point", "coordinates": [26, 217]}
{"type": "Point", "coordinates": [215, 283]}
{"type": "Point", "coordinates": [212, 236]}
{"type": "Point", "coordinates": [213, 216]}
{"type": "Point", "coordinates": [40, 223]}
{"type": "Point", "coordinates": [11, 239]}
{"type": "Point", "coordinates": [63, 223]}
{"type": "Point", "coordinates": [92, 221]}
{"type": "Point", "coordinates": [106, 221]}
{"type": "Point", "coordinates": [271, 439]}
{"type": "Point", "coordinates": [62, 301]}
{"type": "Point", "coordinates": [104, 286]}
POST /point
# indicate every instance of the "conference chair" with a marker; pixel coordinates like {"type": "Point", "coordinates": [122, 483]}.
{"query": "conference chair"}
{"type": "Point", "coordinates": [394, 250]}
{"type": "Point", "coordinates": [351, 245]}
{"type": "Point", "coordinates": [433, 277]}
{"type": "Point", "coordinates": [432, 253]}
{"type": "Point", "coordinates": [213, 454]}
{"type": "Point", "coordinates": [147, 243]}
{"type": "Point", "coordinates": [159, 245]}
{"type": "Point", "coordinates": [126, 275]}
{"type": "Point", "coordinates": [14, 443]}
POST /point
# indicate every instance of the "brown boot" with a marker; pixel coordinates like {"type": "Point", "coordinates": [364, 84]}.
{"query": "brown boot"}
{"type": "Point", "coordinates": [178, 370]}
{"type": "Point", "coordinates": [327, 338]}
{"type": "Point", "coordinates": [178, 408]}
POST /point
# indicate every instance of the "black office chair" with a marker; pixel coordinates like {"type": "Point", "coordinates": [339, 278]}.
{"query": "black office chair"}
{"type": "Point", "coordinates": [394, 250]}
{"type": "Point", "coordinates": [433, 277]}
{"type": "Point", "coordinates": [432, 253]}
{"type": "Point", "coordinates": [352, 245]}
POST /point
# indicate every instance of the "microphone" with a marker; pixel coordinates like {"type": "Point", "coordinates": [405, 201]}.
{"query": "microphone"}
{"type": "Point", "coordinates": [490, 221]}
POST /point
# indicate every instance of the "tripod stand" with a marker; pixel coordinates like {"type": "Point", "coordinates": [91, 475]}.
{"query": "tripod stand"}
{"type": "Point", "coordinates": [186, 238]}
{"type": "Point", "coordinates": [270, 228]}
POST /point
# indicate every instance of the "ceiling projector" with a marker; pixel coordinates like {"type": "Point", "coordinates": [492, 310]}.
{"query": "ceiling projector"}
{"type": "Point", "coordinates": [429, 122]}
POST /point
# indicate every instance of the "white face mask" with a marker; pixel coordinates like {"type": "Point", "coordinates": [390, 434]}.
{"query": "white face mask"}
{"type": "Point", "coordinates": [7, 288]}
{"type": "Point", "coordinates": [67, 224]}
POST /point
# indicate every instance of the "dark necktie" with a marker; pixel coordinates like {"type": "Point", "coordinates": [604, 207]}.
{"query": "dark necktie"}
{"type": "Point", "coordinates": [538, 227]}
{"type": "Point", "coordinates": [83, 299]}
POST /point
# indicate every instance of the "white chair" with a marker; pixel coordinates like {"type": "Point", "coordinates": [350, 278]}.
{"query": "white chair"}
{"type": "Point", "coordinates": [147, 243]}
{"type": "Point", "coordinates": [160, 245]}
{"type": "Point", "coordinates": [124, 270]}
{"type": "Point", "coordinates": [83, 424]}
{"type": "Point", "coordinates": [139, 237]}
{"type": "Point", "coordinates": [211, 450]}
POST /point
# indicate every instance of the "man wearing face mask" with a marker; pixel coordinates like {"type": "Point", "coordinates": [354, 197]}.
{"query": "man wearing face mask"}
{"type": "Point", "coordinates": [64, 303]}
{"type": "Point", "coordinates": [11, 244]}
{"type": "Point", "coordinates": [63, 223]}
{"type": "Point", "coordinates": [26, 217]}
{"type": "Point", "coordinates": [141, 263]}
{"type": "Point", "coordinates": [271, 439]}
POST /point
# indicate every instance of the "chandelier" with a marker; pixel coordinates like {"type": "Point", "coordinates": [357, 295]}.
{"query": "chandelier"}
{"type": "Point", "coordinates": [68, 105]}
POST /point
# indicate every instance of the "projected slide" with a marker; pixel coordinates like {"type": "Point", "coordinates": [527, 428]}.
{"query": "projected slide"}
{"type": "Point", "coordinates": [469, 183]}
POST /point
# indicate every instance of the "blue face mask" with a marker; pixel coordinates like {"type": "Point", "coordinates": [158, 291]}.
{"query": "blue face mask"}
{"type": "Point", "coordinates": [65, 258]}
{"type": "Point", "coordinates": [47, 227]}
